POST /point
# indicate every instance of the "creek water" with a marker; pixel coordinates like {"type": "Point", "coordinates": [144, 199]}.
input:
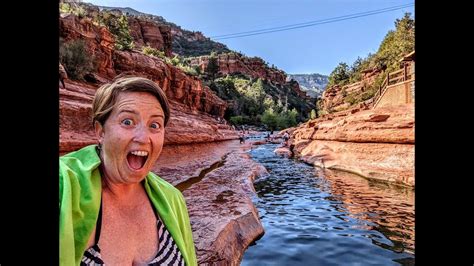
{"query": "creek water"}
{"type": "Point", "coordinates": [317, 216]}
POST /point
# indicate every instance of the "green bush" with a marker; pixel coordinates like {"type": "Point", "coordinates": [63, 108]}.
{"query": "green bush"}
{"type": "Point", "coordinates": [72, 8]}
{"type": "Point", "coordinates": [322, 112]}
{"type": "Point", "coordinates": [352, 99]}
{"type": "Point", "coordinates": [118, 26]}
{"type": "Point", "coordinates": [76, 59]}
{"type": "Point", "coordinates": [148, 50]}
{"type": "Point", "coordinates": [242, 120]}
{"type": "Point", "coordinates": [236, 120]}
{"type": "Point", "coordinates": [269, 118]}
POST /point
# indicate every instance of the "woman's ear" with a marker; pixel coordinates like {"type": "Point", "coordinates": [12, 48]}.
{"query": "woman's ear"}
{"type": "Point", "coordinates": [99, 131]}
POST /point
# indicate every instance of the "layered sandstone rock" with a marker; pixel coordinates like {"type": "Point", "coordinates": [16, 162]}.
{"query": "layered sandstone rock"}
{"type": "Point", "coordinates": [254, 67]}
{"type": "Point", "coordinates": [194, 107]}
{"type": "Point", "coordinates": [223, 217]}
{"type": "Point", "coordinates": [99, 41]}
{"type": "Point", "coordinates": [376, 143]}
{"type": "Point", "coordinates": [178, 86]}
{"type": "Point", "coordinates": [185, 126]}
{"type": "Point", "coordinates": [334, 98]}
{"type": "Point", "coordinates": [147, 32]}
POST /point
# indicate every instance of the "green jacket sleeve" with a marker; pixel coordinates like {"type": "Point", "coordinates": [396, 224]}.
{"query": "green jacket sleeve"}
{"type": "Point", "coordinates": [79, 201]}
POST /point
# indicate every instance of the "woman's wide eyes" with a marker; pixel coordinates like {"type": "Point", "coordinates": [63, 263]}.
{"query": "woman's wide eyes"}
{"type": "Point", "coordinates": [127, 122]}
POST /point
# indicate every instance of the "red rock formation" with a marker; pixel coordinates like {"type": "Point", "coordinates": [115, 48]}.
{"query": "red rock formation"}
{"type": "Point", "coordinates": [233, 63]}
{"type": "Point", "coordinates": [147, 32]}
{"type": "Point", "coordinates": [185, 126]}
{"type": "Point", "coordinates": [193, 105]}
{"type": "Point", "coordinates": [376, 143]}
{"type": "Point", "coordinates": [333, 98]}
{"type": "Point", "coordinates": [75, 123]}
{"type": "Point", "coordinates": [223, 218]}
{"type": "Point", "coordinates": [296, 88]}
{"type": "Point", "coordinates": [177, 85]}
{"type": "Point", "coordinates": [99, 41]}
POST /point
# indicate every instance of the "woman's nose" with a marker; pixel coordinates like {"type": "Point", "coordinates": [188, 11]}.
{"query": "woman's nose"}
{"type": "Point", "coordinates": [141, 134]}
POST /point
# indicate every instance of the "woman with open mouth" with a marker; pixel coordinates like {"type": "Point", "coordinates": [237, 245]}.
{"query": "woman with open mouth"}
{"type": "Point", "coordinates": [113, 209]}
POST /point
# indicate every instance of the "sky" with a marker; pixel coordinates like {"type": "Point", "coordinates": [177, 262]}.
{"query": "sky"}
{"type": "Point", "coordinates": [349, 33]}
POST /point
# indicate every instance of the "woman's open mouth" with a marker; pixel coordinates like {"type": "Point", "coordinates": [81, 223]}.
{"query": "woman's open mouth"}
{"type": "Point", "coordinates": [137, 159]}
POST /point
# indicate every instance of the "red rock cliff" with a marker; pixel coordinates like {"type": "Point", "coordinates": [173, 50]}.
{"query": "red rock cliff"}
{"type": "Point", "coordinates": [334, 98]}
{"type": "Point", "coordinates": [100, 42]}
{"type": "Point", "coordinates": [194, 107]}
{"type": "Point", "coordinates": [376, 143]}
{"type": "Point", "coordinates": [234, 63]}
{"type": "Point", "coordinates": [147, 32]}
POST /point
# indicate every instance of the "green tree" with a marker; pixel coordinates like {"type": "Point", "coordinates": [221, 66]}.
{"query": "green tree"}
{"type": "Point", "coordinates": [292, 115]}
{"type": "Point", "coordinates": [236, 120]}
{"type": "Point", "coordinates": [118, 26]}
{"type": "Point", "coordinates": [340, 75]}
{"type": "Point", "coordinates": [269, 118]}
{"type": "Point", "coordinates": [76, 59]}
{"type": "Point", "coordinates": [313, 114]}
{"type": "Point", "coordinates": [213, 66]}
{"type": "Point", "coordinates": [396, 43]}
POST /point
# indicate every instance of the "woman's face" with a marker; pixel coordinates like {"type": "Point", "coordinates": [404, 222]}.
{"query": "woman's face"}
{"type": "Point", "coordinates": [132, 137]}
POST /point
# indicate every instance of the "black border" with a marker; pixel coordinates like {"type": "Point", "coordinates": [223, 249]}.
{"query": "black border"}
{"type": "Point", "coordinates": [30, 133]}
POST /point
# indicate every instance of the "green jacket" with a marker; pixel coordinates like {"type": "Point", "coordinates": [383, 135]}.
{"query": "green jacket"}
{"type": "Point", "coordinates": [79, 201]}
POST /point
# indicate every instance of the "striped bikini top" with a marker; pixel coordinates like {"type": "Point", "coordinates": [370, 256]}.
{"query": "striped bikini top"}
{"type": "Point", "coordinates": [168, 252]}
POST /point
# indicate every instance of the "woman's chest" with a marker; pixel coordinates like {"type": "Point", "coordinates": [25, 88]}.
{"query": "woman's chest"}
{"type": "Point", "coordinates": [128, 236]}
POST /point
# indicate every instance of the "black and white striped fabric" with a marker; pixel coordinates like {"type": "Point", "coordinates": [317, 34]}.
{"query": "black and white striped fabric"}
{"type": "Point", "coordinates": [168, 252]}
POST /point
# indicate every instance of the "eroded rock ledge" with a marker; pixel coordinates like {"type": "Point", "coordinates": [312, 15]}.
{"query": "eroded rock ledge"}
{"type": "Point", "coordinates": [223, 218]}
{"type": "Point", "coordinates": [376, 143]}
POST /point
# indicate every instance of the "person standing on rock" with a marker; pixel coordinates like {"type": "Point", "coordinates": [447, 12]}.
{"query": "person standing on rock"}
{"type": "Point", "coordinates": [242, 137]}
{"type": "Point", "coordinates": [113, 209]}
{"type": "Point", "coordinates": [62, 75]}
{"type": "Point", "coordinates": [286, 137]}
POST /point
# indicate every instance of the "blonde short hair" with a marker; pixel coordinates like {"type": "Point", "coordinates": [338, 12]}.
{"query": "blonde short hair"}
{"type": "Point", "coordinates": [106, 96]}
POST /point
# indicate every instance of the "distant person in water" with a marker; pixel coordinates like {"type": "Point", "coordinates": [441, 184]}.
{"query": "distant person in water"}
{"type": "Point", "coordinates": [242, 137]}
{"type": "Point", "coordinates": [113, 209]}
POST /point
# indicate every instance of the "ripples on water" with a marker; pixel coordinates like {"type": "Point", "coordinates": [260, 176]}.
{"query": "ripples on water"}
{"type": "Point", "coordinates": [328, 218]}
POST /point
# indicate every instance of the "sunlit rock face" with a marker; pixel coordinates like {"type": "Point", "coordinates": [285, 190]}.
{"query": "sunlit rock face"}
{"type": "Point", "coordinates": [334, 98]}
{"type": "Point", "coordinates": [99, 41]}
{"type": "Point", "coordinates": [231, 63]}
{"type": "Point", "coordinates": [185, 126]}
{"type": "Point", "coordinates": [195, 109]}
{"type": "Point", "coordinates": [376, 143]}
{"type": "Point", "coordinates": [146, 32]}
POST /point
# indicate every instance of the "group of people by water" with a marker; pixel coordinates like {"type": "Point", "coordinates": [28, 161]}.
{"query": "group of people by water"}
{"type": "Point", "coordinates": [270, 137]}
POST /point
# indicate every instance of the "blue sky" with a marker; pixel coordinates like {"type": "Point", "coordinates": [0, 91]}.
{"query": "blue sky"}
{"type": "Point", "coordinates": [315, 49]}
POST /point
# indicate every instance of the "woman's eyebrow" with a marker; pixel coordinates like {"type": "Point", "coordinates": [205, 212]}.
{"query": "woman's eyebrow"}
{"type": "Point", "coordinates": [127, 111]}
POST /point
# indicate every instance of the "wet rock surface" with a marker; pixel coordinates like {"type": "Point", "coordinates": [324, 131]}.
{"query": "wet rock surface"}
{"type": "Point", "coordinates": [223, 218]}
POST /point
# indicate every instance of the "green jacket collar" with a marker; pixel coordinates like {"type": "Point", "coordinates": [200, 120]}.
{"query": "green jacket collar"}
{"type": "Point", "coordinates": [79, 200]}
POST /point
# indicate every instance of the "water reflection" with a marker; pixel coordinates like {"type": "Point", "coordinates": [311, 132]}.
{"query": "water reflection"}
{"type": "Point", "coordinates": [390, 208]}
{"type": "Point", "coordinates": [328, 218]}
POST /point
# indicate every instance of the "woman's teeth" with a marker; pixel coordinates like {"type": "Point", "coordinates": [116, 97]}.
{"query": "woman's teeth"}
{"type": "Point", "coordinates": [140, 153]}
